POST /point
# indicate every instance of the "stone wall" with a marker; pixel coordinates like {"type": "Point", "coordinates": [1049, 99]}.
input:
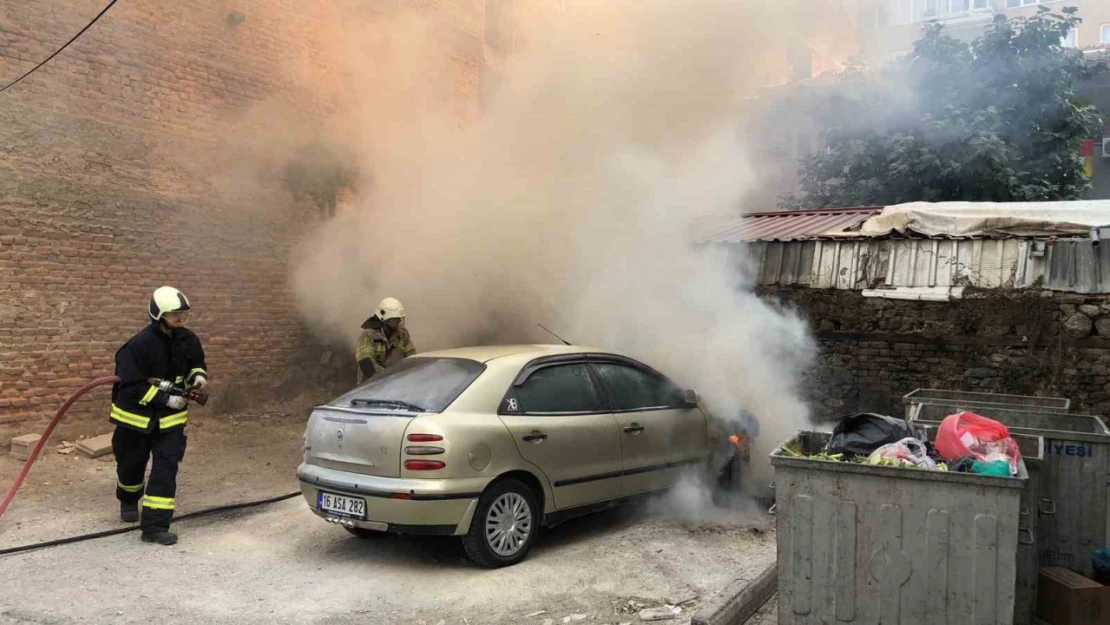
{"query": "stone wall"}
{"type": "Point", "coordinates": [873, 351]}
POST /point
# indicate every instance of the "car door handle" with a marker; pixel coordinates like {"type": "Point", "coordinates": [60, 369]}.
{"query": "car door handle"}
{"type": "Point", "coordinates": [634, 428]}
{"type": "Point", "coordinates": [535, 437]}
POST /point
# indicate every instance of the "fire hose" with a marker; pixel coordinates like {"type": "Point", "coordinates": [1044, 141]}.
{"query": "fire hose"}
{"type": "Point", "coordinates": [22, 475]}
{"type": "Point", "coordinates": [46, 435]}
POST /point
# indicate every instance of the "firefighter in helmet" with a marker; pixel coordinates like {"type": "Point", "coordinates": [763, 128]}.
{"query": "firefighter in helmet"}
{"type": "Point", "coordinates": [150, 412]}
{"type": "Point", "coordinates": [384, 340]}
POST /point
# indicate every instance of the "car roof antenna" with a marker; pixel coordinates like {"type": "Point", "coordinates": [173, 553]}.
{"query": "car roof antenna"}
{"type": "Point", "coordinates": [553, 334]}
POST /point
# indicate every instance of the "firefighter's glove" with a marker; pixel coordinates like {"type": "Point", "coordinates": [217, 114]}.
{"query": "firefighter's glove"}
{"type": "Point", "coordinates": [176, 402]}
{"type": "Point", "coordinates": [200, 384]}
{"type": "Point", "coordinates": [165, 386]}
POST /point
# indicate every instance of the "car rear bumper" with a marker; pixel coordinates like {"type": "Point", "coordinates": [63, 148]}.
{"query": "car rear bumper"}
{"type": "Point", "coordinates": [442, 507]}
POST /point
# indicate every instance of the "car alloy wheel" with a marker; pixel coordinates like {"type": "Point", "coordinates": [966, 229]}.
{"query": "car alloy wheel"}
{"type": "Point", "coordinates": [508, 525]}
{"type": "Point", "coordinates": [505, 525]}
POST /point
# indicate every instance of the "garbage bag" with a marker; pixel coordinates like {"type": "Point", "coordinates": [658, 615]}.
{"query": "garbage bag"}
{"type": "Point", "coordinates": [861, 434]}
{"type": "Point", "coordinates": [969, 434]}
{"type": "Point", "coordinates": [1000, 468]}
{"type": "Point", "coordinates": [908, 452]}
{"type": "Point", "coordinates": [1101, 564]}
{"type": "Point", "coordinates": [1101, 560]}
{"type": "Point", "coordinates": [963, 465]}
{"type": "Point", "coordinates": [931, 449]}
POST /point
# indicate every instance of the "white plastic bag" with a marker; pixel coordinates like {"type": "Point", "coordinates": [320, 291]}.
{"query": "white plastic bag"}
{"type": "Point", "coordinates": [908, 452]}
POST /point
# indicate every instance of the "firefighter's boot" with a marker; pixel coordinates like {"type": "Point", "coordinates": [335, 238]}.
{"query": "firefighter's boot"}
{"type": "Point", "coordinates": [162, 538]}
{"type": "Point", "coordinates": [129, 512]}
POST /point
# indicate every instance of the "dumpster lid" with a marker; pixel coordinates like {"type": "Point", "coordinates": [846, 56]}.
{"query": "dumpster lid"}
{"type": "Point", "coordinates": [1019, 402]}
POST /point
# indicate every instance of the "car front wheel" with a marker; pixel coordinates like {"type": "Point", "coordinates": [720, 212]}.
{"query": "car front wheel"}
{"type": "Point", "coordinates": [504, 527]}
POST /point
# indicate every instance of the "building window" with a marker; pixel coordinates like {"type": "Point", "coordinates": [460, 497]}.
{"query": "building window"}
{"type": "Point", "coordinates": [800, 58]}
{"type": "Point", "coordinates": [1104, 34]}
{"type": "Point", "coordinates": [803, 145]}
{"type": "Point", "coordinates": [489, 83]}
{"type": "Point", "coordinates": [499, 26]}
{"type": "Point", "coordinates": [959, 6]}
{"type": "Point", "coordinates": [901, 11]}
{"type": "Point", "coordinates": [1072, 40]}
{"type": "Point", "coordinates": [913, 11]}
{"type": "Point", "coordinates": [1014, 4]}
{"type": "Point", "coordinates": [883, 16]}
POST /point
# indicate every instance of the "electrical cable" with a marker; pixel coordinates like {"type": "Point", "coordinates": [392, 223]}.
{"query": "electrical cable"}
{"type": "Point", "coordinates": [59, 50]}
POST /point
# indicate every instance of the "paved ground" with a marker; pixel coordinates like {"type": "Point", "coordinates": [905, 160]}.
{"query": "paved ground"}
{"type": "Point", "coordinates": [768, 615]}
{"type": "Point", "coordinates": [280, 564]}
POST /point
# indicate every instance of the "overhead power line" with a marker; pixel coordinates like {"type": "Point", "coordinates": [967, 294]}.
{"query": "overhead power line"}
{"type": "Point", "coordinates": [59, 50]}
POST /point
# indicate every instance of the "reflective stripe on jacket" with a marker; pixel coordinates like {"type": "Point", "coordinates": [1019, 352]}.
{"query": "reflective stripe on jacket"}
{"type": "Point", "coordinates": [153, 354]}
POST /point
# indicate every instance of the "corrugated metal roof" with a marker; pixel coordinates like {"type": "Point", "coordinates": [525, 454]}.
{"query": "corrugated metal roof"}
{"type": "Point", "coordinates": [787, 225]}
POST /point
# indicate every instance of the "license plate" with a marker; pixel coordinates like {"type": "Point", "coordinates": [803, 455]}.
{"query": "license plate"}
{"type": "Point", "coordinates": [339, 504]}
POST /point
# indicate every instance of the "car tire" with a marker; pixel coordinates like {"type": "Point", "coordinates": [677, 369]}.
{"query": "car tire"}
{"type": "Point", "coordinates": [362, 532]}
{"type": "Point", "coordinates": [504, 527]}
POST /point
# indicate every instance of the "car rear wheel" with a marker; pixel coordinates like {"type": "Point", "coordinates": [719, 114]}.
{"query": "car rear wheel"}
{"type": "Point", "coordinates": [362, 532]}
{"type": "Point", "coordinates": [504, 527]}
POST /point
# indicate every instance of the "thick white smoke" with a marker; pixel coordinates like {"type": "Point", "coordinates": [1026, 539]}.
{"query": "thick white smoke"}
{"type": "Point", "coordinates": [570, 201]}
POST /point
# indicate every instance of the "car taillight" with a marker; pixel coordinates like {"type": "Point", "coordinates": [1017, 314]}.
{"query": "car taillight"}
{"type": "Point", "coordinates": [424, 465]}
{"type": "Point", "coordinates": [424, 438]}
{"type": "Point", "coordinates": [424, 450]}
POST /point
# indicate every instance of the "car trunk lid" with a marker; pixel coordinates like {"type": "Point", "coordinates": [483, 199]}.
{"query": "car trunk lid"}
{"type": "Point", "coordinates": [367, 442]}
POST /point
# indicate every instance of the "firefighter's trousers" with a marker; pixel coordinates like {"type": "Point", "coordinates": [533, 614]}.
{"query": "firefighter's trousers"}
{"type": "Point", "coordinates": [133, 449]}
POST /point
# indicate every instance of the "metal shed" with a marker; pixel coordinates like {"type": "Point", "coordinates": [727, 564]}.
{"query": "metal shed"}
{"type": "Point", "coordinates": [818, 249]}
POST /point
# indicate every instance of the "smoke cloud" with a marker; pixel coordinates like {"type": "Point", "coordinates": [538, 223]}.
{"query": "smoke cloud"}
{"type": "Point", "coordinates": [572, 199]}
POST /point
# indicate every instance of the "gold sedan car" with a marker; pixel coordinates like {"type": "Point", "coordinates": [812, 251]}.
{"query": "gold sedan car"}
{"type": "Point", "coordinates": [490, 443]}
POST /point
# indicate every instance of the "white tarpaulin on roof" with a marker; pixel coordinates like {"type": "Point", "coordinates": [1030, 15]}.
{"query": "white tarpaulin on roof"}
{"type": "Point", "coordinates": [971, 219]}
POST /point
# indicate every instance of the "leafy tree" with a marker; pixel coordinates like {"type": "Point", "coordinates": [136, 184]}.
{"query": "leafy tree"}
{"type": "Point", "coordinates": [994, 119]}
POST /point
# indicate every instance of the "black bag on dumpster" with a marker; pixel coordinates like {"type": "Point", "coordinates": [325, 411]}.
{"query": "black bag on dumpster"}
{"type": "Point", "coordinates": [1101, 564]}
{"type": "Point", "coordinates": [860, 434]}
{"type": "Point", "coordinates": [963, 465]}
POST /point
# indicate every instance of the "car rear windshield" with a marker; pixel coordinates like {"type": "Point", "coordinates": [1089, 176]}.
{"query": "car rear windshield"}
{"type": "Point", "coordinates": [416, 384]}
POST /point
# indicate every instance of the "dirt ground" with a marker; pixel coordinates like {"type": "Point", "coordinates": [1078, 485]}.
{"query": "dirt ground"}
{"type": "Point", "coordinates": [280, 563]}
{"type": "Point", "coordinates": [230, 458]}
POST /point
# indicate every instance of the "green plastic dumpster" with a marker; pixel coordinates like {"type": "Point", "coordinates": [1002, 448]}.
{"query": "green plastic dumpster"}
{"type": "Point", "coordinates": [871, 544]}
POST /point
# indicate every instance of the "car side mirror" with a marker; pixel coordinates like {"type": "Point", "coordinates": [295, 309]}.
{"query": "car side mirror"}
{"type": "Point", "coordinates": [692, 398]}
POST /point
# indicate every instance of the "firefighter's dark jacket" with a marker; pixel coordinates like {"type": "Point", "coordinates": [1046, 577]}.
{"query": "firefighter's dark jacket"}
{"type": "Point", "coordinates": [152, 354]}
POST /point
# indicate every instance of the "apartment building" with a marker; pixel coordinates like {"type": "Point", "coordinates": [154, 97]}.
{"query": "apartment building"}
{"type": "Point", "coordinates": [887, 29]}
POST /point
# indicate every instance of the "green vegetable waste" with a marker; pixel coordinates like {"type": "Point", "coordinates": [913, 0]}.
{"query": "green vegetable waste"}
{"type": "Point", "coordinates": [793, 449]}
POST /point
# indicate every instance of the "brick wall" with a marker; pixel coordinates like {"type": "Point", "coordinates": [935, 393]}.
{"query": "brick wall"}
{"type": "Point", "coordinates": [132, 160]}
{"type": "Point", "coordinates": [874, 351]}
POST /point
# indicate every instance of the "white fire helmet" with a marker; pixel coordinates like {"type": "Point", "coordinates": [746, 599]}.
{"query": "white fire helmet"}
{"type": "Point", "coordinates": [167, 299]}
{"type": "Point", "coordinates": [390, 308]}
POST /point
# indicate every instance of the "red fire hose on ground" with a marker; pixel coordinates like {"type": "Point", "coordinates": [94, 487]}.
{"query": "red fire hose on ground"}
{"type": "Point", "coordinates": [42, 443]}
{"type": "Point", "coordinates": [46, 436]}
